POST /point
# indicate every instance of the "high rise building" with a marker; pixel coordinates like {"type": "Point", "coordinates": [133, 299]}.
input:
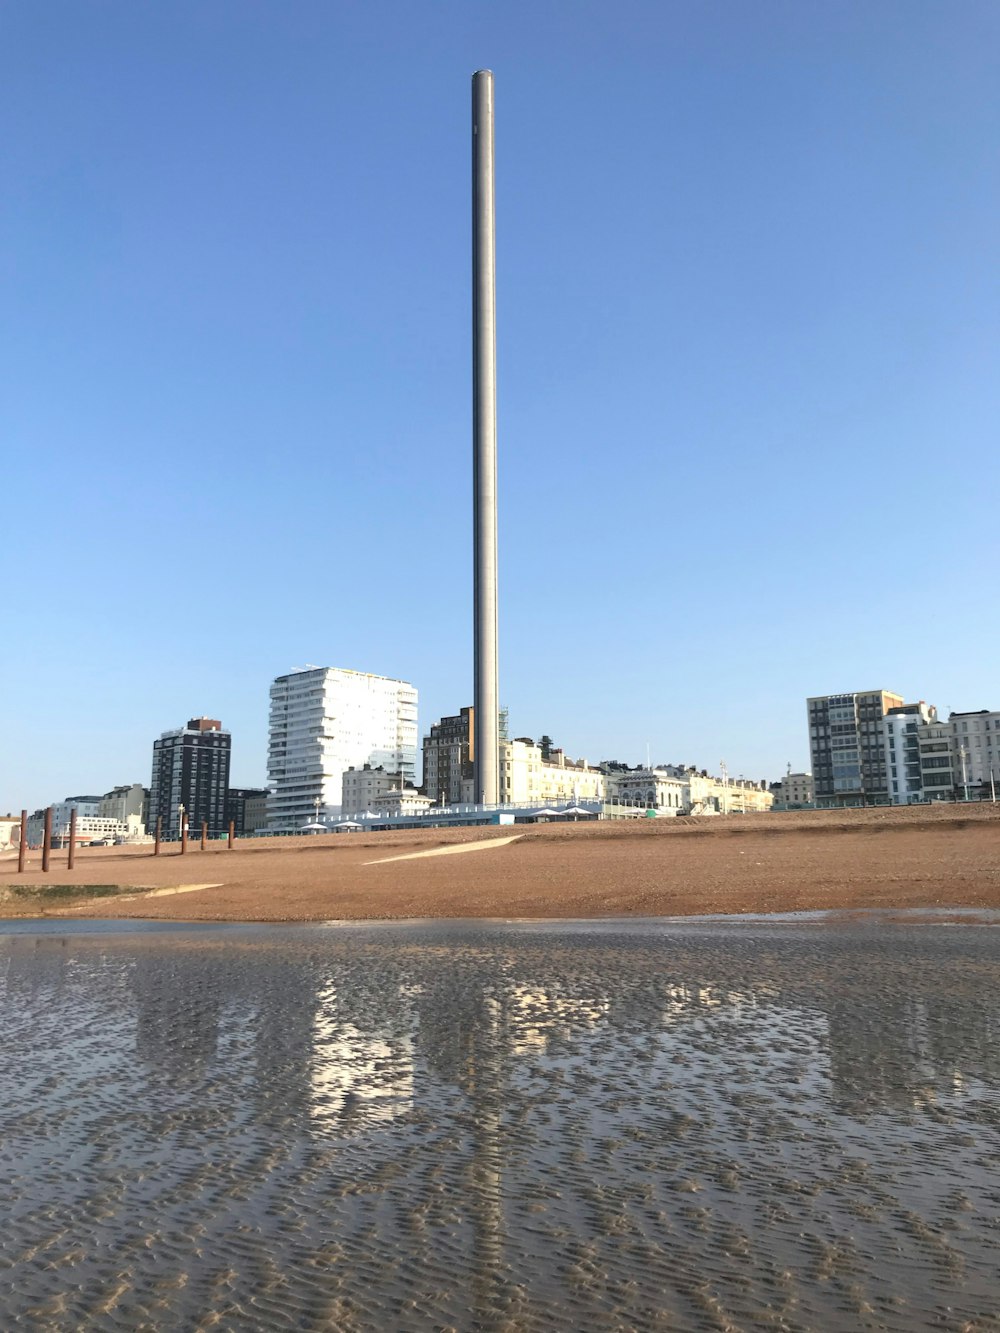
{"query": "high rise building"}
{"type": "Point", "coordinates": [847, 747]}
{"type": "Point", "coordinates": [191, 769]}
{"type": "Point", "coordinates": [325, 720]}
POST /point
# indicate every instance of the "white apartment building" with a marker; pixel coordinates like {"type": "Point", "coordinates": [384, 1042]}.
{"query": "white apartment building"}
{"type": "Point", "coordinates": [938, 761]}
{"type": "Point", "coordinates": [901, 728]}
{"type": "Point", "coordinates": [323, 721]}
{"type": "Point", "coordinates": [976, 744]}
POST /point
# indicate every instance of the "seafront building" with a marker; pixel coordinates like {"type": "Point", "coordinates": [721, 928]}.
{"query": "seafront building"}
{"type": "Point", "coordinates": [976, 744]}
{"type": "Point", "coordinates": [191, 774]}
{"type": "Point", "coordinates": [526, 777]}
{"type": "Point", "coordinates": [659, 789]}
{"type": "Point", "coordinates": [325, 720]}
{"type": "Point", "coordinates": [794, 791]}
{"type": "Point", "coordinates": [938, 761]}
{"type": "Point", "coordinates": [847, 747]}
{"type": "Point", "coordinates": [391, 803]}
{"type": "Point", "coordinates": [255, 812]}
{"type": "Point", "coordinates": [246, 809]}
{"type": "Point", "coordinates": [676, 789]}
{"type": "Point", "coordinates": [365, 788]}
{"type": "Point", "coordinates": [125, 803]}
{"type": "Point", "coordinates": [91, 825]}
{"type": "Point", "coordinates": [874, 749]}
{"type": "Point", "coordinates": [448, 750]}
{"type": "Point", "coordinates": [10, 832]}
{"type": "Point", "coordinates": [901, 729]}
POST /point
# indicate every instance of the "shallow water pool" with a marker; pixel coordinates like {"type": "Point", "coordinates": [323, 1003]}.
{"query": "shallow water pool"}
{"type": "Point", "coordinates": [770, 1123]}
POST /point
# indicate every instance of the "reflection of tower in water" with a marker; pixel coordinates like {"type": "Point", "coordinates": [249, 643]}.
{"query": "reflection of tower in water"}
{"type": "Point", "coordinates": [464, 1041]}
{"type": "Point", "coordinates": [178, 1003]}
{"type": "Point", "coordinates": [283, 1044]}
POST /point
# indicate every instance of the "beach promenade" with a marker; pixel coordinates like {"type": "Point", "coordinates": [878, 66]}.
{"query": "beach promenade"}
{"type": "Point", "coordinates": [908, 857]}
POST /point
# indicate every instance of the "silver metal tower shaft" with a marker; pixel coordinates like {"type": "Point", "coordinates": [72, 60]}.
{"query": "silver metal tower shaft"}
{"type": "Point", "coordinates": [484, 443]}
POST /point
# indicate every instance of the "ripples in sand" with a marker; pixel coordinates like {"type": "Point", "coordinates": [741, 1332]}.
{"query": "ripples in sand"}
{"type": "Point", "coordinates": [501, 1127]}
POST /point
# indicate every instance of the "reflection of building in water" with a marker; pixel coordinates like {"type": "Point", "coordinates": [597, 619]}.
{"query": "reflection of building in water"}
{"type": "Point", "coordinates": [536, 1018]}
{"type": "Point", "coordinates": [356, 1074]}
{"type": "Point", "coordinates": [913, 1048]}
{"type": "Point", "coordinates": [682, 1001]}
{"type": "Point", "coordinates": [38, 975]}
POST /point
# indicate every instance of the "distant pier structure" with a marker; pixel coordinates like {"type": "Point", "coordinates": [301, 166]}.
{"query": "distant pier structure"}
{"type": "Point", "coordinates": [486, 751]}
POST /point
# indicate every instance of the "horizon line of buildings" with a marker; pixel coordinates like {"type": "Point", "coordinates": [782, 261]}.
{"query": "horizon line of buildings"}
{"type": "Point", "coordinates": [872, 748]}
{"type": "Point", "coordinates": [342, 745]}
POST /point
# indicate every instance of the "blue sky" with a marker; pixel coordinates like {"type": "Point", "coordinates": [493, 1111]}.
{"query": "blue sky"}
{"type": "Point", "coordinates": [748, 349]}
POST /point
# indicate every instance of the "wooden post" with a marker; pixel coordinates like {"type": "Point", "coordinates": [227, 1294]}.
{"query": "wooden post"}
{"type": "Point", "coordinates": [71, 854]}
{"type": "Point", "coordinates": [22, 847]}
{"type": "Point", "coordinates": [47, 840]}
{"type": "Point", "coordinates": [184, 833]}
{"type": "Point", "coordinates": [204, 834]}
{"type": "Point", "coordinates": [232, 830]}
{"type": "Point", "coordinates": [159, 834]}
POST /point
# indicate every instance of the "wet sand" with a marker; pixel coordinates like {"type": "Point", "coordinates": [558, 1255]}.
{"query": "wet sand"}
{"type": "Point", "coordinates": [579, 1126]}
{"type": "Point", "coordinates": [755, 863]}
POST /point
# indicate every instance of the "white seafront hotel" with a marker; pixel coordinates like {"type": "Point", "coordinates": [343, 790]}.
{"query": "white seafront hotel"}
{"type": "Point", "coordinates": [325, 720]}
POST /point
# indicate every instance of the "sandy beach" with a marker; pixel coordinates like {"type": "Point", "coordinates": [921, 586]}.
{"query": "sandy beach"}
{"type": "Point", "coordinates": [907, 857]}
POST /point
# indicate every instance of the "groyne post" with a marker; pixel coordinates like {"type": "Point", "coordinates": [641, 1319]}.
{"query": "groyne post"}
{"type": "Point", "coordinates": [47, 840]}
{"type": "Point", "coordinates": [232, 831]}
{"type": "Point", "coordinates": [204, 834]}
{"type": "Point", "coordinates": [71, 854]}
{"type": "Point", "coordinates": [22, 846]}
{"type": "Point", "coordinates": [159, 834]}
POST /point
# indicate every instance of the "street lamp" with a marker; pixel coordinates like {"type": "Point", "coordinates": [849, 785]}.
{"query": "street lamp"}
{"type": "Point", "coordinates": [180, 821]}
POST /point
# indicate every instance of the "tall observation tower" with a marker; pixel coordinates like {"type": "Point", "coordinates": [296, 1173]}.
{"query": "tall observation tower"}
{"type": "Point", "coordinates": [486, 736]}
